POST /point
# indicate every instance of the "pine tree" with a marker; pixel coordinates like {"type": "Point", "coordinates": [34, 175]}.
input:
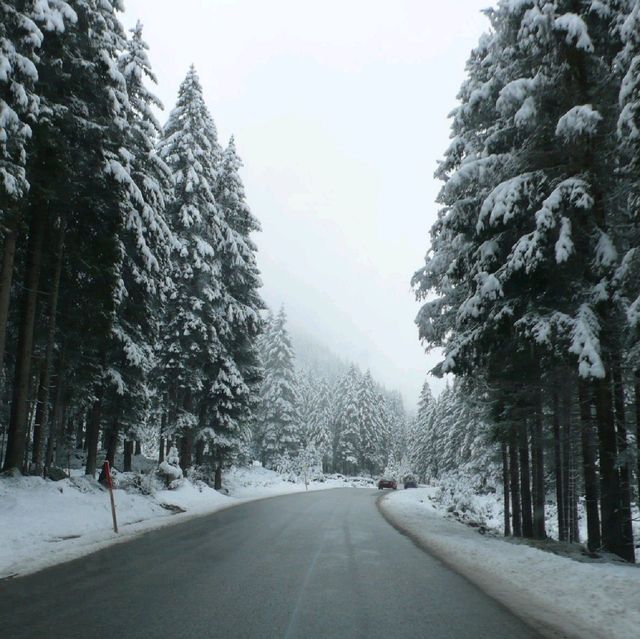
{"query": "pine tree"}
{"type": "Point", "coordinates": [279, 416]}
{"type": "Point", "coordinates": [145, 244]}
{"type": "Point", "coordinates": [81, 125]}
{"type": "Point", "coordinates": [369, 423]}
{"type": "Point", "coordinates": [524, 253]}
{"type": "Point", "coordinates": [235, 390]}
{"type": "Point", "coordinates": [347, 443]}
{"type": "Point", "coordinates": [195, 324]}
{"type": "Point", "coordinates": [320, 422]}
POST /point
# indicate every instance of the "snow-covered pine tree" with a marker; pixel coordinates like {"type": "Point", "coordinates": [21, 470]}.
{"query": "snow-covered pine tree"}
{"type": "Point", "coordinates": [347, 433]}
{"type": "Point", "coordinates": [235, 390]}
{"type": "Point", "coordinates": [370, 424]}
{"type": "Point", "coordinates": [306, 399]}
{"type": "Point", "coordinates": [20, 39]}
{"type": "Point", "coordinates": [320, 422]}
{"type": "Point", "coordinates": [145, 246]}
{"type": "Point", "coordinates": [80, 127]}
{"type": "Point", "coordinates": [195, 323]}
{"type": "Point", "coordinates": [627, 278]}
{"type": "Point", "coordinates": [394, 441]}
{"type": "Point", "coordinates": [522, 256]}
{"type": "Point", "coordinates": [279, 416]}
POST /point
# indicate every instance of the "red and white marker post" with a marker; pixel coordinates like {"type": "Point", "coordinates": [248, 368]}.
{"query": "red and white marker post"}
{"type": "Point", "coordinates": [107, 474]}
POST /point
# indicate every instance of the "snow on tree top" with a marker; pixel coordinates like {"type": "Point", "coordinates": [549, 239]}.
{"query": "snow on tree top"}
{"type": "Point", "coordinates": [580, 120]}
{"type": "Point", "coordinates": [576, 29]}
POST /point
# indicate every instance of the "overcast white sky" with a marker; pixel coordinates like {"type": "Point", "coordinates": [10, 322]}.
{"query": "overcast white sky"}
{"type": "Point", "coordinates": [339, 109]}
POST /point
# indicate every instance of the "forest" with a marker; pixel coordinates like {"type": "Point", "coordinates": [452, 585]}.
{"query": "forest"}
{"type": "Point", "coordinates": [130, 310]}
{"type": "Point", "coordinates": [532, 280]}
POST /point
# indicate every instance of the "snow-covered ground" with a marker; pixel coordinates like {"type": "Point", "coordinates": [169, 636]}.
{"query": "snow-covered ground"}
{"type": "Point", "coordinates": [43, 523]}
{"type": "Point", "coordinates": [557, 594]}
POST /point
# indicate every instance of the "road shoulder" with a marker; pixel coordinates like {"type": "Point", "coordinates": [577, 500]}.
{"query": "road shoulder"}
{"type": "Point", "coordinates": [557, 596]}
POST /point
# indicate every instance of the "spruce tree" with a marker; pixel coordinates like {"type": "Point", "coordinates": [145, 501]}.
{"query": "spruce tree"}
{"type": "Point", "coordinates": [195, 325]}
{"type": "Point", "coordinates": [279, 414]}
{"type": "Point", "coordinates": [237, 375]}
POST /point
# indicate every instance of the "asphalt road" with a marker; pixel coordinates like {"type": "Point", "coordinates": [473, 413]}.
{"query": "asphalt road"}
{"type": "Point", "coordinates": [323, 564]}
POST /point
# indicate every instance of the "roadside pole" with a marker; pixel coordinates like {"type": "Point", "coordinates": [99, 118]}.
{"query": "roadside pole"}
{"type": "Point", "coordinates": [107, 474]}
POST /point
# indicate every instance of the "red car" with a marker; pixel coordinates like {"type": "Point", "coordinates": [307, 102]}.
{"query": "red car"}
{"type": "Point", "coordinates": [387, 483]}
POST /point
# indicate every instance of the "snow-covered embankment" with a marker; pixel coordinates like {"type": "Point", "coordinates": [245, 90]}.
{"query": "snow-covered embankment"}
{"type": "Point", "coordinates": [43, 523]}
{"type": "Point", "coordinates": [559, 596]}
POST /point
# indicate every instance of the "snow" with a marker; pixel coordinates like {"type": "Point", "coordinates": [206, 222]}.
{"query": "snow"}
{"type": "Point", "coordinates": [586, 600]}
{"type": "Point", "coordinates": [576, 30]}
{"type": "Point", "coordinates": [586, 344]}
{"type": "Point", "coordinates": [46, 523]}
{"type": "Point", "coordinates": [578, 121]}
{"type": "Point", "coordinates": [564, 245]}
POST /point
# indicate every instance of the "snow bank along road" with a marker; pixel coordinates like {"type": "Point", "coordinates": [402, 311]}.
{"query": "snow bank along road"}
{"type": "Point", "coordinates": [323, 564]}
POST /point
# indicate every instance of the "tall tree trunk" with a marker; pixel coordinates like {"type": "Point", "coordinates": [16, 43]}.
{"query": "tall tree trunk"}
{"type": "Point", "coordinates": [20, 401]}
{"type": "Point", "coordinates": [625, 468]}
{"type": "Point", "coordinates": [42, 409]}
{"type": "Point", "coordinates": [6, 276]}
{"type": "Point", "coordinates": [568, 467]}
{"type": "Point", "coordinates": [161, 450]}
{"type": "Point", "coordinates": [637, 397]}
{"type": "Point", "coordinates": [609, 477]}
{"type": "Point", "coordinates": [93, 430]}
{"type": "Point", "coordinates": [217, 480]}
{"type": "Point", "coordinates": [505, 490]}
{"type": "Point", "coordinates": [186, 450]}
{"type": "Point", "coordinates": [514, 472]}
{"type": "Point", "coordinates": [112, 442]}
{"type": "Point", "coordinates": [80, 432]}
{"type": "Point", "coordinates": [559, 471]}
{"type": "Point", "coordinates": [200, 452]}
{"type": "Point", "coordinates": [138, 450]}
{"type": "Point", "coordinates": [35, 416]}
{"type": "Point", "coordinates": [128, 453]}
{"type": "Point", "coordinates": [56, 432]}
{"type": "Point", "coordinates": [525, 480]}
{"type": "Point", "coordinates": [537, 457]}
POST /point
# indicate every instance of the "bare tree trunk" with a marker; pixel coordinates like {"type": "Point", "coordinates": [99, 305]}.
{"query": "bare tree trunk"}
{"type": "Point", "coordinates": [217, 480]}
{"type": "Point", "coordinates": [93, 431]}
{"type": "Point", "coordinates": [516, 513]}
{"type": "Point", "coordinates": [594, 539]}
{"type": "Point", "coordinates": [161, 453]}
{"type": "Point", "coordinates": [128, 452]}
{"type": "Point", "coordinates": [6, 276]}
{"type": "Point", "coordinates": [112, 443]}
{"type": "Point", "coordinates": [200, 452]}
{"type": "Point", "coordinates": [559, 471]}
{"type": "Point", "coordinates": [505, 490]}
{"type": "Point", "coordinates": [42, 409]}
{"type": "Point", "coordinates": [56, 432]}
{"type": "Point", "coordinates": [20, 402]}
{"type": "Point", "coordinates": [625, 468]}
{"type": "Point", "coordinates": [80, 432]}
{"type": "Point", "coordinates": [637, 395]}
{"type": "Point", "coordinates": [609, 478]}
{"type": "Point", "coordinates": [186, 450]}
{"type": "Point", "coordinates": [525, 481]}
{"type": "Point", "coordinates": [537, 457]}
{"type": "Point", "coordinates": [568, 467]}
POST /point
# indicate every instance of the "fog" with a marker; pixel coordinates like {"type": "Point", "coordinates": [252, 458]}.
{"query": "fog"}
{"type": "Point", "coordinates": [339, 110]}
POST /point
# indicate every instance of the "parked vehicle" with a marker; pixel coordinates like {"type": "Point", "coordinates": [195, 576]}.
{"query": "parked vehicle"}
{"type": "Point", "coordinates": [410, 482]}
{"type": "Point", "coordinates": [387, 483]}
